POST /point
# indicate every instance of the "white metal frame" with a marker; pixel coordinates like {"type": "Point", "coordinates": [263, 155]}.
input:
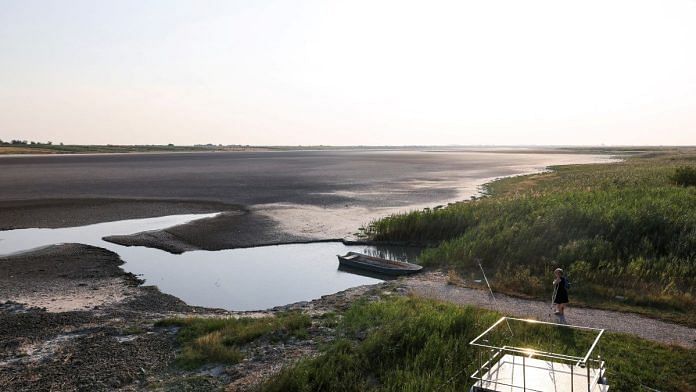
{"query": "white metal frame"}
{"type": "Point", "coordinates": [495, 352]}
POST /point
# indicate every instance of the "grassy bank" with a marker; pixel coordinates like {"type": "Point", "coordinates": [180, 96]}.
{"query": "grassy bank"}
{"type": "Point", "coordinates": [623, 230]}
{"type": "Point", "coordinates": [410, 344]}
{"type": "Point", "coordinates": [216, 340]}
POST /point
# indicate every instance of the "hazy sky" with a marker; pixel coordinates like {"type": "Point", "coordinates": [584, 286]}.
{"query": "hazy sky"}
{"type": "Point", "coordinates": [349, 72]}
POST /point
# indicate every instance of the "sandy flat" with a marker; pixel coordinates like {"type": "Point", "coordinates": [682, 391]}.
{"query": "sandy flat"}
{"type": "Point", "coordinates": [267, 197]}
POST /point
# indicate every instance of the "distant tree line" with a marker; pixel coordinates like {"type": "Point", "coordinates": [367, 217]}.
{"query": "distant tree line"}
{"type": "Point", "coordinates": [17, 142]}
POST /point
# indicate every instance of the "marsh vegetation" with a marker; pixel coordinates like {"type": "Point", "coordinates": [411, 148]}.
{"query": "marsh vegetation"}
{"type": "Point", "coordinates": [411, 344]}
{"type": "Point", "coordinates": [622, 230]}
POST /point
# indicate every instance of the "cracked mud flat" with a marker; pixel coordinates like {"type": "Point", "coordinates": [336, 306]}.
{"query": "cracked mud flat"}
{"type": "Point", "coordinates": [63, 279]}
{"type": "Point", "coordinates": [114, 345]}
{"type": "Point", "coordinates": [105, 339]}
{"type": "Point", "coordinates": [76, 343]}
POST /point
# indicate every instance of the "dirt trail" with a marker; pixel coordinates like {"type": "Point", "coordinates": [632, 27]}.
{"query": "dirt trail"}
{"type": "Point", "coordinates": [434, 285]}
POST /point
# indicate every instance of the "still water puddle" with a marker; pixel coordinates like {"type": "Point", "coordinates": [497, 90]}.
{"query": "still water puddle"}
{"type": "Point", "coordinates": [234, 279]}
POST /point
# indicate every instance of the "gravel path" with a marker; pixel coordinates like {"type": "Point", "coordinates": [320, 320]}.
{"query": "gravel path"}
{"type": "Point", "coordinates": [434, 285]}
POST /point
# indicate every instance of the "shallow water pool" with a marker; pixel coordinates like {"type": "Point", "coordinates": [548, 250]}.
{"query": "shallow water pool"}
{"type": "Point", "coordinates": [235, 279]}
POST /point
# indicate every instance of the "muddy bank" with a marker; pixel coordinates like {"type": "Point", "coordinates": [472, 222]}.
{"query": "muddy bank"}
{"type": "Point", "coordinates": [93, 188]}
{"type": "Point", "coordinates": [267, 197]}
{"type": "Point", "coordinates": [64, 278]}
{"type": "Point", "coordinates": [98, 359]}
{"type": "Point", "coordinates": [71, 319]}
{"type": "Point", "coordinates": [115, 345]}
{"type": "Point", "coordinates": [82, 278]}
{"type": "Point", "coordinates": [54, 213]}
{"type": "Point", "coordinates": [231, 229]}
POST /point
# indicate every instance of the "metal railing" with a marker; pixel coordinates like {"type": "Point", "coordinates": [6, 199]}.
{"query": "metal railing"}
{"type": "Point", "coordinates": [496, 353]}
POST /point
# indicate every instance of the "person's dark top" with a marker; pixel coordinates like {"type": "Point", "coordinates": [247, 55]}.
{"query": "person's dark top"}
{"type": "Point", "coordinates": [562, 293]}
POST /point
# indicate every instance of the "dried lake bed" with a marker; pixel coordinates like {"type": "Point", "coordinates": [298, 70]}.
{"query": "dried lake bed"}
{"type": "Point", "coordinates": [74, 316]}
{"type": "Point", "coordinates": [233, 279]}
{"type": "Point", "coordinates": [205, 206]}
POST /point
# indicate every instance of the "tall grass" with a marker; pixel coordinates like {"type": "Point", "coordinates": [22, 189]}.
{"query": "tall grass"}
{"type": "Point", "coordinates": [619, 229]}
{"type": "Point", "coordinates": [411, 344]}
{"type": "Point", "coordinates": [684, 176]}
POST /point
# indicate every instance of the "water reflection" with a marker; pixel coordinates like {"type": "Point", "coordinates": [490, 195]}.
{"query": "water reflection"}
{"type": "Point", "coordinates": [13, 241]}
{"type": "Point", "coordinates": [402, 253]}
{"type": "Point", "coordinates": [235, 279]}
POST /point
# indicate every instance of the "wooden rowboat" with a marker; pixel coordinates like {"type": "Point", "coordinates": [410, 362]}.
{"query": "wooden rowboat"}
{"type": "Point", "coordinates": [377, 264]}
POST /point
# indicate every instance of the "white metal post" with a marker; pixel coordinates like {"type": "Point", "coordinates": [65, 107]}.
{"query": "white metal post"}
{"type": "Point", "coordinates": [524, 375]}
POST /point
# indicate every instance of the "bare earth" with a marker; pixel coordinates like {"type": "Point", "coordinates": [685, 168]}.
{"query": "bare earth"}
{"type": "Point", "coordinates": [71, 319]}
{"type": "Point", "coordinates": [285, 196]}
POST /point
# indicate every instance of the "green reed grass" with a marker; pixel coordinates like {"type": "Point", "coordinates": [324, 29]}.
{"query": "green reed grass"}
{"type": "Point", "coordinates": [412, 344]}
{"type": "Point", "coordinates": [621, 229]}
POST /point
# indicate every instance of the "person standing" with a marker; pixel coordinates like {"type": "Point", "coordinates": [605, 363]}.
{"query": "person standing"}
{"type": "Point", "coordinates": [561, 289]}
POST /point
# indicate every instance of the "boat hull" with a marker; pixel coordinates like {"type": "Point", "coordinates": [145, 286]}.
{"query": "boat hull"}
{"type": "Point", "coordinates": [375, 265]}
